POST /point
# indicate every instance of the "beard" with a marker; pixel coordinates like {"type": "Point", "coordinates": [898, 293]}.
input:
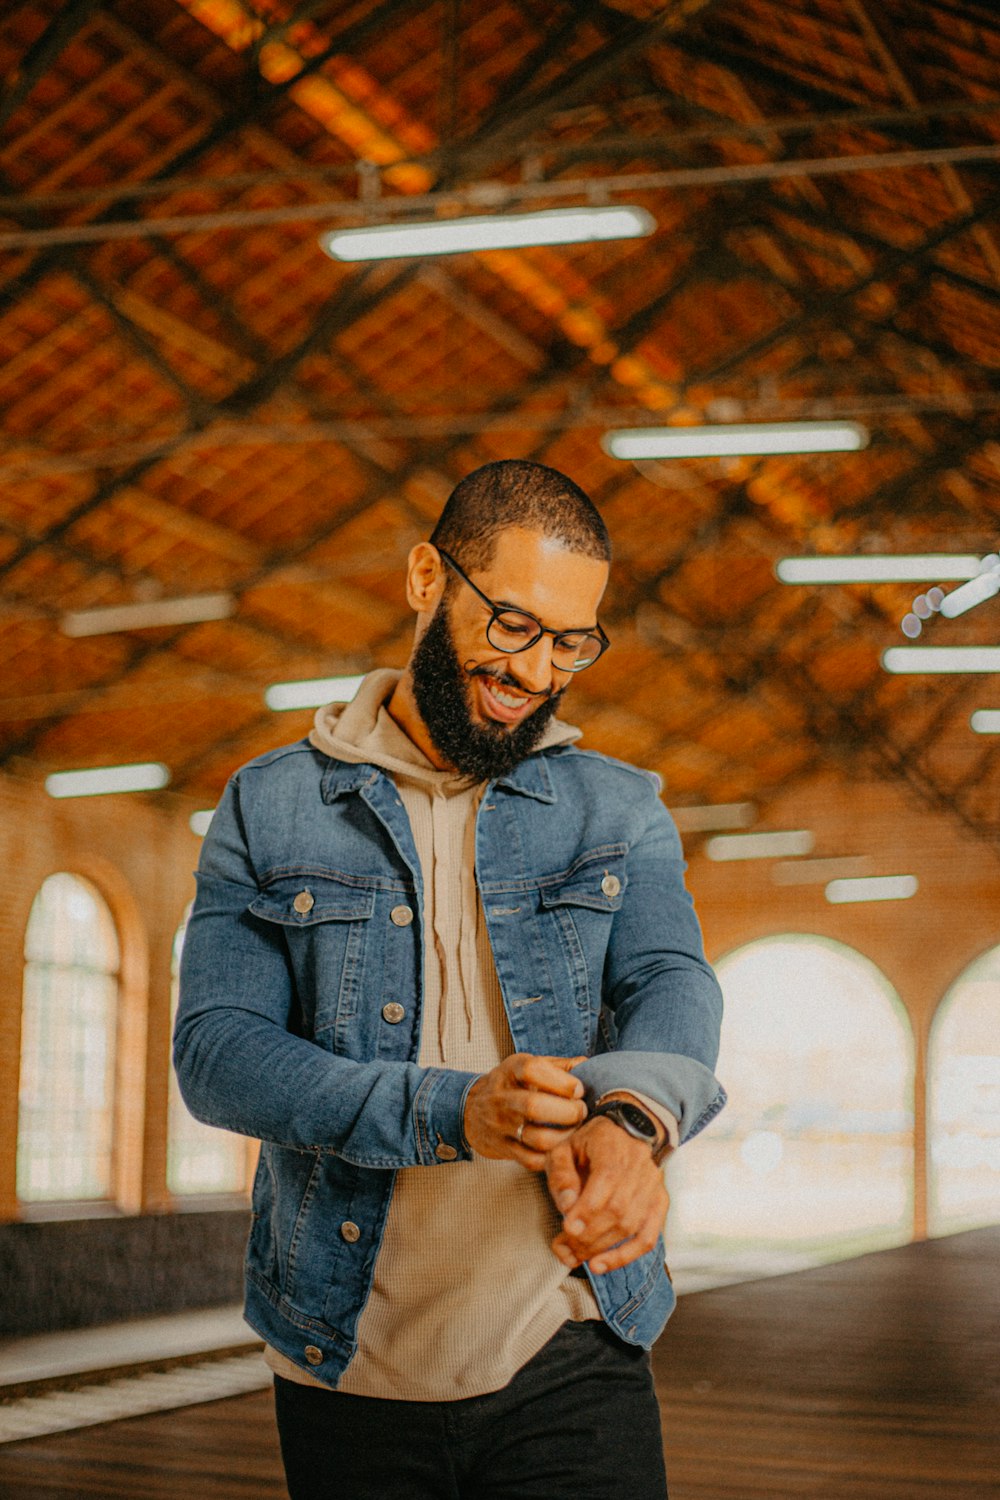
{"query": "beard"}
{"type": "Point", "coordinates": [442, 693]}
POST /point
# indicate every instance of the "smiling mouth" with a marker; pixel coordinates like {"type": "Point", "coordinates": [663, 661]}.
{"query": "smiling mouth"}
{"type": "Point", "coordinates": [504, 704]}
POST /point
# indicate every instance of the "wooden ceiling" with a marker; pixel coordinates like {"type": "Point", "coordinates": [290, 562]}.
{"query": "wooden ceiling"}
{"type": "Point", "coordinates": [194, 398]}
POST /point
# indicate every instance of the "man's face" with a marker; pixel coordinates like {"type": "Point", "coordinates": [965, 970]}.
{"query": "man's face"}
{"type": "Point", "coordinates": [486, 710]}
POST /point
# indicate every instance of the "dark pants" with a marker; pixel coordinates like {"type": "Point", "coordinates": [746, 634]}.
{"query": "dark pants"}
{"type": "Point", "coordinates": [580, 1421]}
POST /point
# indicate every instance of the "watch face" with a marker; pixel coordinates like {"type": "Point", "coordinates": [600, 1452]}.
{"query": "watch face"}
{"type": "Point", "coordinates": [638, 1120]}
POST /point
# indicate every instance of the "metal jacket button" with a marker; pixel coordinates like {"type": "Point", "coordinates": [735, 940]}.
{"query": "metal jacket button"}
{"type": "Point", "coordinates": [611, 885]}
{"type": "Point", "coordinates": [350, 1231]}
{"type": "Point", "coordinates": [393, 1012]}
{"type": "Point", "coordinates": [313, 1355]}
{"type": "Point", "coordinates": [402, 916]}
{"type": "Point", "coordinates": [304, 902]}
{"type": "Point", "coordinates": [444, 1152]}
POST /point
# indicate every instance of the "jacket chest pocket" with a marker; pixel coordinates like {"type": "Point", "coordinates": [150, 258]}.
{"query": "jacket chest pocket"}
{"type": "Point", "coordinates": [579, 909]}
{"type": "Point", "coordinates": [328, 929]}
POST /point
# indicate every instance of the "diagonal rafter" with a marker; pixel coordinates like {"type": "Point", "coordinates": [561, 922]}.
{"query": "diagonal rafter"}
{"type": "Point", "coordinates": [556, 40]}
{"type": "Point", "coordinates": [900, 69]}
{"type": "Point", "coordinates": [630, 37]}
{"type": "Point", "coordinates": [60, 32]}
{"type": "Point", "coordinates": [351, 302]}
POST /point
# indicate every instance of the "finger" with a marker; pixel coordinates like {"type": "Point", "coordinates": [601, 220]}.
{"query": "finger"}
{"type": "Point", "coordinates": [596, 1241]}
{"type": "Point", "coordinates": [564, 1181]}
{"type": "Point", "coordinates": [640, 1229]}
{"type": "Point", "coordinates": [544, 1138]}
{"type": "Point", "coordinates": [624, 1213]}
{"type": "Point", "coordinates": [534, 1161]}
{"type": "Point", "coordinates": [548, 1109]}
{"type": "Point", "coordinates": [551, 1075]}
{"type": "Point", "coordinates": [628, 1250]}
{"type": "Point", "coordinates": [564, 1253]}
{"type": "Point", "coordinates": [594, 1209]}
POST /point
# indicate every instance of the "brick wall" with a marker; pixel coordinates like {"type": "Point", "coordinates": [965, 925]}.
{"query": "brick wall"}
{"type": "Point", "coordinates": [922, 945]}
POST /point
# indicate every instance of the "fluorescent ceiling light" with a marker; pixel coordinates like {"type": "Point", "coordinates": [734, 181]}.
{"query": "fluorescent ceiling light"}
{"type": "Point", "coordinates": [200, 822]}
{"type": "Point", "coordinates": [554, 226]}
{"type": "Point", "coordinates": [150, 615]}
{"type": "Point", "coordinates": [874, 569]}
{"type": "Point", "coordinates": [716, 815]}
{"type": "Point", "coordinates": [874, 888]}
{"type": "Point", "coordinates": [986, 721]}
{"type": "Point", "coordinates": [731, 440]}
{"type": "Point", "coordinates": [972, 593]}
{"type": "Point", "coordinates": [149, 776]}
{"type": "Point", "coordinates": [818, 871]}
{"type": "Point", "coordinates": [312, 694]}
{"type": "Point", "coordinates": [941, 659]}
{"type": "Point", "coordinates": [760, 845]}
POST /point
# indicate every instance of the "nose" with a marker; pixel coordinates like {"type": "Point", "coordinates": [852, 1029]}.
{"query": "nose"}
{"type": "Point", "coordinates": [533, 668]}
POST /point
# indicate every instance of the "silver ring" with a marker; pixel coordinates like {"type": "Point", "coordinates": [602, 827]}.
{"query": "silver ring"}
{"type": "Point", "coordinates": [520, 1133]}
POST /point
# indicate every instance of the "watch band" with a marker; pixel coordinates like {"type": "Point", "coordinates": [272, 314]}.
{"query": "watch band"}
{"type": "Point", "coordinates": [636, 1122]}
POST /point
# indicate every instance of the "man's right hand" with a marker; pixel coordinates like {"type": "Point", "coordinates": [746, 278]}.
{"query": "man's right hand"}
{"type": "Point", "coordinates": [524, 1108]}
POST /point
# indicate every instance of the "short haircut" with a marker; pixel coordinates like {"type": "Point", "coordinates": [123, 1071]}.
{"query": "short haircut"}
{"type": "Point", "coordinates": [514, 492]}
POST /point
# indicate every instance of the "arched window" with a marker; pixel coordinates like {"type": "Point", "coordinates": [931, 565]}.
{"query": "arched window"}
{"type": "Point", "coordinates": [812, 1158]}
{"type": "Point", "coordinates": [68, 1034]}
{"type": "Point", "coordinates": [200, 1159]}
{"type": "Point", "coordinates": [963, 1127]}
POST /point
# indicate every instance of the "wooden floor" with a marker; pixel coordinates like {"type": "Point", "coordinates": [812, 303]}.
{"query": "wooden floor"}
{"type": "Point", "coordinates": [875, 1379]}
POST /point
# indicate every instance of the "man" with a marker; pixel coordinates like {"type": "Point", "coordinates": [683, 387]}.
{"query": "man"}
{"type": "Point", "coordinates": [442, 962]}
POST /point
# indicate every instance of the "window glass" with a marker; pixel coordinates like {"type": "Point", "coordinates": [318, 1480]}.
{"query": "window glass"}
{"type": "Point", "coordinates": [812, 1158]}
{"type": "Point", "coordinates": [200, 1159]}
{"type": "Point", "coordinates": [963, 1127]}
{"type": "Point", "coordinates": [68, 1031]}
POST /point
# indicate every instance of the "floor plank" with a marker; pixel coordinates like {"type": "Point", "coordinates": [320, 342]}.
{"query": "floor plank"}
{"type": "Point", "coordinates": [877, 1378]}
{"type": "Point", "coordinates": [873, 1379]}
{"type": "Point", "coordinates": [223, 1450]}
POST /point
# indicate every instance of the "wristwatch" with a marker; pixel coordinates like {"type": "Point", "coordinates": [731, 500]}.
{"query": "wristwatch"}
{"type": "Point", "coordinates": [635, 1122]}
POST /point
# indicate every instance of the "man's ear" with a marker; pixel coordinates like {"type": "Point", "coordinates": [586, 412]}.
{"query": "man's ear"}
{"type": "Point", "coordinates": [425, 578]}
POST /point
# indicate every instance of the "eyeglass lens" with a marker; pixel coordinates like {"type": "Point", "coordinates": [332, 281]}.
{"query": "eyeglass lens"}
{"type": "Point", "coordinates": [513, 632]}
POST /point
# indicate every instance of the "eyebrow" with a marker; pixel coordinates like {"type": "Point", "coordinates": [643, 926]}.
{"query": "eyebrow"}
{"type": "Point", "coordinates": [519, 609]}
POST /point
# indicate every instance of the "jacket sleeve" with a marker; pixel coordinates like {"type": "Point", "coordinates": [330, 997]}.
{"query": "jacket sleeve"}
{"type": "Point", "coordinates": [241, 1065]}
{"type": "Point", "coordinates": [662, 995]}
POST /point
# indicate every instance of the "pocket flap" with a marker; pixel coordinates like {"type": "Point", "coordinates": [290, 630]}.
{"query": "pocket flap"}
{"type": "Point", "coordinates": [308, 898]}
{"type": "Point", "coordinates": [599, 884]}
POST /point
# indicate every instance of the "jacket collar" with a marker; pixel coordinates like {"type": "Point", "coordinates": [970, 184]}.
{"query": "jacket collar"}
{"type": "Point", "coordinates": [341, 777]}
{"type": "Point", "coordinates": [531, 778]}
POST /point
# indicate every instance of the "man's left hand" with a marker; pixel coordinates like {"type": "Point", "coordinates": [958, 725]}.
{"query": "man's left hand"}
{"type": "Point", "coordinates": [610, 1193]}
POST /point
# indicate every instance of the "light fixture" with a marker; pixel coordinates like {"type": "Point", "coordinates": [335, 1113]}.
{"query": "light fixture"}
{"type": "Point", "coordinates": [978, 589]}
{"type": "Point", "coordinates": [726, 846]}
{"type": "Point", "coordinates": [553, 226]}
{"type": "Point", "coordinates": [872, 888]}
{"type": "Point", "coordinates": [149, 776]}
{"type": "Point", "coordinates": [877, 569]}
{"type": "Point", "coordinates": [200, 822]}
{"type": "Point", "coordinates": [148, 615]}
{"type": "Point", "coordinates": [714, 815]}
{"type": "Point", "coordinates": [941, 659]}
{"type": "Point", "coordinates": [725, 440]}
{"type": "Point", "coordinates": [282, 696]}
{"type": "Point", "coordinates": [986, 721]}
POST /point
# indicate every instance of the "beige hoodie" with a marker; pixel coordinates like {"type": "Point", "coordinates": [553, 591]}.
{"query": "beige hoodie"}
{"type": "Point", "coordinates": [466, 1289]}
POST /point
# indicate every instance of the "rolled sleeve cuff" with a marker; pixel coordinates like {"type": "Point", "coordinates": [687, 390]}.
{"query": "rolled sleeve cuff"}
{"type": "Point", "coordinates": [678, 1084]}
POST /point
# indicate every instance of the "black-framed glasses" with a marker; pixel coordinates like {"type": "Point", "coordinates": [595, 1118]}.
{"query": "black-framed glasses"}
{"type": "Point", "coordinates": [512, 630]}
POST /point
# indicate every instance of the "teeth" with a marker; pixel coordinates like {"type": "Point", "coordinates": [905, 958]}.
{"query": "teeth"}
{"type": "Point", "coordinates": [506, 699]}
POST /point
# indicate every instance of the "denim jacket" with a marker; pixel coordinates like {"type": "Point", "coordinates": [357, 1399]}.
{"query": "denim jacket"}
{"type": "Point", "coordinates": [308, 921]}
